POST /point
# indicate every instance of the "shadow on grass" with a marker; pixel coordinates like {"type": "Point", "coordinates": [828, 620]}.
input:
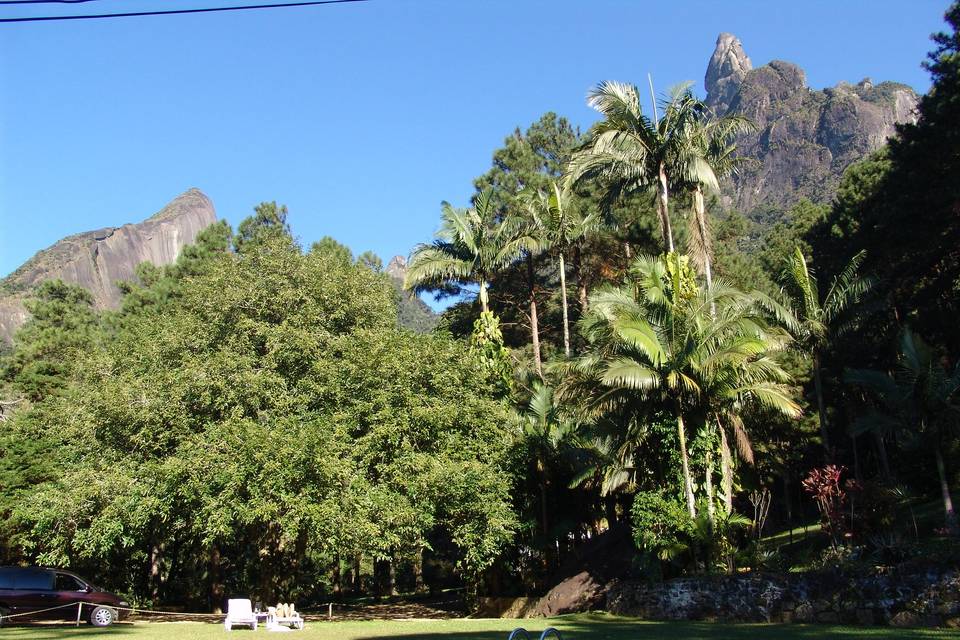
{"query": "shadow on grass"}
{"type": "Point", "coordinates": [605, 627]}
{"type": "Point", "coordinates": [55, 631]}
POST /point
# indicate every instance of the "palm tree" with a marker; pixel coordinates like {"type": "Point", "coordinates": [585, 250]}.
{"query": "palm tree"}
{"type": "Point", "coordinates": [731, 389]}
{"type": "Point", "coordinates": [818, 319]}
{"type": "Point", "coordinates": [709, 156]}
{"type": "Point", "coordinates": [468, 249]}
{"type": "Point", "coordinates": [655, 347]}
{"type": "Point", "coordinates": [526, 238]}
{"type": "Point", "coordinates": [627, 152]}
{"type": "Point", "coordinates": [560, 225]}
{"type": "Point", "coordinates": [545, 429]}
{"type": "Point", "coordinates": [920, 399]}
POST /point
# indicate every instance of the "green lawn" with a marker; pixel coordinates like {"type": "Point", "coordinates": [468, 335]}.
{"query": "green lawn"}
{"type": "Point", "coordinates": [576, 627]}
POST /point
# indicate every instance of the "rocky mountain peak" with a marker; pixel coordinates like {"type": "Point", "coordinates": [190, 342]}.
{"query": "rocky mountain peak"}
{"type": "Point", "coordinates": [803, 139]}
{"type": "Point", "coordinates": [186, 203]}
{"type": "Point", "coordinates": [397, 267]}
{"type": "Point", "coordinates": [97, 260]}
{"type": "Point", "coordinates": [725, 71]}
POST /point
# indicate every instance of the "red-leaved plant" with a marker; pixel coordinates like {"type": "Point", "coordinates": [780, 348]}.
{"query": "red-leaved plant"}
{"type": "Point", "coordinates": [824, 486]}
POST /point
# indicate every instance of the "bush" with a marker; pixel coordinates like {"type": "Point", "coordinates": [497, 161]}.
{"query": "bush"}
{"type": "Point", "coordinates": [661, 526]}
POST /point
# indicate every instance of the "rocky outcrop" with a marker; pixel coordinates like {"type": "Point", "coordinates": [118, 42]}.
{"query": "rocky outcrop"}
{"type": "Point", "coordinates": [804, 139]}
{"type": "Point", "coordinates": [413, 313]}
{"type": "Point", "coordinates": [725, 71]}
{"type": "Point", "coordinates": [97, 260]}
{"type": "Point", "coordinates": [580, 584]}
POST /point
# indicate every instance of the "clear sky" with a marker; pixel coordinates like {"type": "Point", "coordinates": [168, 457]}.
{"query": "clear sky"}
{"type": "Point", "coordinates": [361, 118]}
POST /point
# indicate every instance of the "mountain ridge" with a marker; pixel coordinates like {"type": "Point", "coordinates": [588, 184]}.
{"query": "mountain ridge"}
{"type": "Point", "coordinates": [96, 260]}
{"type": "Point", "coordinates": [805, 138]}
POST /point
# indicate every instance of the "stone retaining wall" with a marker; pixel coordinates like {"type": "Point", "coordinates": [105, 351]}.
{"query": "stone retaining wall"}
{"type": "Point", "coordinates": [900, 598]}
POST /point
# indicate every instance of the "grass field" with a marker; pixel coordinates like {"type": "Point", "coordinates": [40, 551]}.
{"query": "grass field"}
{"type": "Point", "coordinates": [576, 627]}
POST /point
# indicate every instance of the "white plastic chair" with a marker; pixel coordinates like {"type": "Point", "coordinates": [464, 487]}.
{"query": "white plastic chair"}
{"type": "Point", "coordinates": [240, 612]}
{"type": "Point", "coordinates": [287, 617]}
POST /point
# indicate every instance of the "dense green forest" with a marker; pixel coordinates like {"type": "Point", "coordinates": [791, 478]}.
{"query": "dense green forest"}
{"type": "Point", "coordinates": [626, 354]}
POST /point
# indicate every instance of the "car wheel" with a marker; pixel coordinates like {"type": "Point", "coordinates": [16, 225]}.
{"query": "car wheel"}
{"type": "Point", "coordinates": [102, 616]}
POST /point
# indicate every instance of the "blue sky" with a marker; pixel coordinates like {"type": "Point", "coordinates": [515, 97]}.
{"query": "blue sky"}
{"type": "Point", "coordinates": [361, 118]}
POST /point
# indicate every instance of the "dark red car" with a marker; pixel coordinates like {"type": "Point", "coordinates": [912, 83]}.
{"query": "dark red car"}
{"type": "Point", "coordinates": [33, 590]}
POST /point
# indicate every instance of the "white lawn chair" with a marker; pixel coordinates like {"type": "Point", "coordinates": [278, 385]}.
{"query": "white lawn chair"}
{"type": "Point", "coordinates": [240, 612]}
{"type": "Point", "coordinates": [284, 616]}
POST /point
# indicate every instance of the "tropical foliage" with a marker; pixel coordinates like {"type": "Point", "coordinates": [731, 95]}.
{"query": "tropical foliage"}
{"type": "Point", "coordinates": [253, 418]}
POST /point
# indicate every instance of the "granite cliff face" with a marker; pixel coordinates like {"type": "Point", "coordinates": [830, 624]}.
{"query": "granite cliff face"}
{"type": "Point", "coordinates": [804, 138]}
{"type": "Point", "coordinates": [96, 260]}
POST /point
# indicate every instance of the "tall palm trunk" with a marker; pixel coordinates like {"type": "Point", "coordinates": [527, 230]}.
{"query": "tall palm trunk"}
{"type": "Point", "coordinates": [685, 464]}
{"type": "Point", "coordinates": [483, 296]}
{"type": "Point", "coordinates": [534, 320]}
{"type": "Point", "coordinates": [581, 283]}
{"type": "Point", "coordinates": [821, 409]}
{"type": "Point", "coordinates": [950, 516]}
{"type": "Point", "coordinates": [711, 512]}
{"type": "Point", "coordinates": [663, 208]}
{"type": "Point", "coordinates": [726, 469]}
{"type": "Point", "coordinates": [700, 212]}
{"type": "Point", "coordinates": [563, 297]}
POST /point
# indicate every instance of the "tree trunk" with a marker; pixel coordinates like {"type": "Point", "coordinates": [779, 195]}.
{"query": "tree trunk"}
{"type": "Point", "coordinates": [627, 251]}
{"type": "Point", "coordinates": [336, 578]}
{"type": "Point", "coordinates": [392, 576]}
{"type": "Point", "coordinates": [534, 320]}
{"type": "Point", "coordinates": [726, 469]}
{"type": "Point", "coordinates": [610, 509]}
{"type": "Point", "coordinates": [581, 285]}
{"type": "Point", "coordinates": [711, 512]}
{"type": "Point", "coordinates": [788, 503]}
{"type": "Point", "coordinates": [950, 516]}
{"type": "Point", "coordinates": [701, 212]}
{"type": "Point", "coordinates": [563, 297]}
{"type": "Point", "coordinates": [419, 585]}
{"type": "Point", "coordinates": [357, 584]}
{"type": "Point", "coordinates": [685, 463]}
{"type": "Point", "coordinates": [663, 208]}
{"type": "Point", "coordinates": [483, 296]}
{"type": "Point", "coordinates": [821, 409]}
{"type": "Point", "coordinates": [216, 580]}
{"type": "Point", "coordinates": [156, 551]}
